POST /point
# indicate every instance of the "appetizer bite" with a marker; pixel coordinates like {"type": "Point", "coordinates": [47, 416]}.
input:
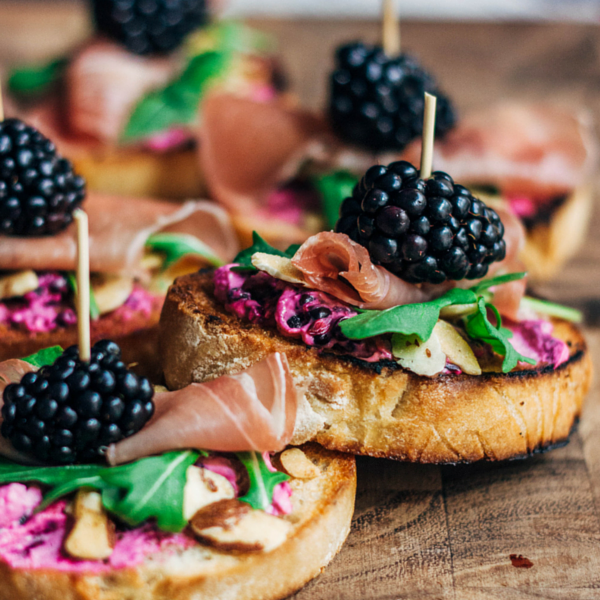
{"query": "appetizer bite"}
{"type": "Point", "coordinates": [138, 246]}
{"type": "Point", "coordinates": [408, 327]}
{"type": "Point", "coordinates": [199, 495]}
{"type": "Point", "coordinates": [124, 105]}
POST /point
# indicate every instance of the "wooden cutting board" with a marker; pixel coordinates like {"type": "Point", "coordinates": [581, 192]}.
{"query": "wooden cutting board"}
{"type": "Point", "coordinates": [427, 532]}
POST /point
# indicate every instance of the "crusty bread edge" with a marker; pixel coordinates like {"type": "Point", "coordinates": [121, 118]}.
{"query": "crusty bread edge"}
{"type": "Point", "coordinates": [271, 576]}
{"type": "Point", "coordinates": [395, 414]}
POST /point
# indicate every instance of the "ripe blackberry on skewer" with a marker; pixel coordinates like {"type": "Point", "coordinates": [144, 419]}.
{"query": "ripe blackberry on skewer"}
{"type": "Point", "coordinates": [376, 100]}
{"type": "Point", "coordinates": [72, 410]}
{"type": "Point", "coordinates": [38, 189]}
{"type": "Point", "coordinates": [422, 230]}
{"type": "Point", "coordinates": [149, 26]}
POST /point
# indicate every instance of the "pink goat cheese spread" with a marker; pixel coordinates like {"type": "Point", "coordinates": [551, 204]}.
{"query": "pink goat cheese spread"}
{"type": "Point", "coordinates": [533, 338]}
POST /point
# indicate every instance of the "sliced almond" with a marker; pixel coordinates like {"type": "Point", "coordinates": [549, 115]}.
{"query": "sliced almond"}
{"type": "Point", "coordinates": [111, 291]}
{"type": "Point", "coordinates": [233, 526]}
{"type": "Point", "coordinates": [18, 284]}
{"type": "Point", "coordinates": [298, 465]}
{"type": "Point", "coordinates": [203, 487]}
{"type": "Point", "coordinates": [92, 535]}
{"type": "Point", "coordinates": [456, 348]}
{"type": "Point", "coordinates": [422, 358]}
{"type": "Point", "coordinates": [279, 267]}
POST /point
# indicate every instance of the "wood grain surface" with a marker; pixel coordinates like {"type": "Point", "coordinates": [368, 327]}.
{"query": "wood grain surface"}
{"type": "Point", "coordinates": [446, 532]}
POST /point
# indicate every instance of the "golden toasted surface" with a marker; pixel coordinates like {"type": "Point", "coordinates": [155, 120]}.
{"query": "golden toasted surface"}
{"type": "Point", "coordinates": [320, 522]}
{"type": "Point", "coordinates": [364, 409]}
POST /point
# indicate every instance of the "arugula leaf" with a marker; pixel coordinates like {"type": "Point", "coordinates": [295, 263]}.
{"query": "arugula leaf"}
{"type": "Point", "coordinates": [177, 103]}
{"type": "Point", "coordinates": [230, 36]}
{"type": "Point", "coordinates": [552, 309]}
{"type": "Point", "coordinates": [94, 310]}
{"type": "Point", "coordinates": [44, 357]}
{"type": "Point", "coordinates": [479, 327]}
{"type": "Point", "coordinates": [408, 319]}
{"type": "Point", "coordinates": [262, 480]}
{"type": "Point", "coordinates": [148, 488]}
{"type": "Point", "coordinates": [334, 188]}
{"type": "Point", "coordinates": [151, 487]}
{"type": "Point", "coordinates": [488, 283]}
{"type": "Point", "coordinates": [177, 245]}
{"type": "Point", "coordinates": [244, 258]}
{"type": "Point", "coordinates": [35, 80]}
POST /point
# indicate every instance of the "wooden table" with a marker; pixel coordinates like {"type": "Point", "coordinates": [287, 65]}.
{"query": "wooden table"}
{"type": "Point", "coordinates": [446, 532]}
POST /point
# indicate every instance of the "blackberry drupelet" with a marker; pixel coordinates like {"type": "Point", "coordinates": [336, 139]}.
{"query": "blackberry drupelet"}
{"type": "Point", "coordinates": [377, 101]}
{"type": "Point", "coordinates": [149, 26]}
{"type": "Point", "coordinates": [38, 189]}
{"type": "Point", "coordinates": [71, 411]}
{"type": "Point", "coordinates": [423, 231]}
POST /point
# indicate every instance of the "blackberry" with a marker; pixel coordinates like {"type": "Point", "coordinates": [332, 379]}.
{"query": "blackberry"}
{"type": "Point", "coordinates": [72, 410]}
{"type": "Point", "coordinates": [38, 189]}
{"type": "Point", "coordinates": [376, 101]}
{"type": "Point", "coordinates": [423, 231]}
{"type": "Point", "coordinates": [149, 26]}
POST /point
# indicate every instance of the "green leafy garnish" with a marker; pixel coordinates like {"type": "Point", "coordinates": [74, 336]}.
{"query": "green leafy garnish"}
{"type": "Point", "coordinates": [479, 327]}
{"type": "Point", "coordinates": [262, 480]}
{"type": "Point", "coordinates": [35, 80]}
{"type": "Point", "coordinates": [334, 188]}
{"type": "Point", "coordinates": [486, 284]}
{"type": "Point", "coordinates": [177, 103]}
{"type": "Point", "coordinates": [244, 258]}
{"type": "Point", "coordinates": [552, 309]}
{"type": "Point", "coordinates": [44, 357]}
{"type": "Point", "coordinates": [150, 488]}
{"type": "Point", "coordinates": [177, 245]}
{"type": "Point", "coordinates": [228, 36]}
{"type": "Point", "coordinates": [94, 310]}
{"type": "Point", "coordinates": [408, 319]}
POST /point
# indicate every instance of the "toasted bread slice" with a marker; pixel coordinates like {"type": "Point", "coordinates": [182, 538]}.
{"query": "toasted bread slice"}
{"type": "Point", "coordinates": [320, 522]}
{"type": "Point", "coordinates": [172, 175]}
{"type": "Point", "coordinates": [137, 336]}
{"type": "Point", "coordinates": [381, 409]}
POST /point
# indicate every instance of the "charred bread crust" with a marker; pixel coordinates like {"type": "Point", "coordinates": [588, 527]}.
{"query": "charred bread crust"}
{"type": "Point", "coordinates": [137, 336]}
{"type": "Point", "coordinates": [380, 410]}
{"type": "Point", "coordinates": [550, 243]}
{"type": "Point", "coordinates": [322, 512]}
{"type": "Point", "coordinates": [172, 175]}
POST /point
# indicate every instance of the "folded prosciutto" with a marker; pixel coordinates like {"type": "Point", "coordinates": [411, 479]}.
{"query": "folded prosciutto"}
{"type": "Point", "coordinates": [253, 410]}
{"type": "Point", "coordinates": [333, 263]}
{"type": "Point", "coordinates": [119, 229]}
{"type": "Point", "coordinates": [536, 150]}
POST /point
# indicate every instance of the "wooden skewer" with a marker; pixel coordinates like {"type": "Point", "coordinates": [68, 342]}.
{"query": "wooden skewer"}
{"type": "Point", "coordinates": [428, 136]}
{"type": "Point", "coordinates": [391, 29]}
{"type": "Point", "coordinates": [83, 284]}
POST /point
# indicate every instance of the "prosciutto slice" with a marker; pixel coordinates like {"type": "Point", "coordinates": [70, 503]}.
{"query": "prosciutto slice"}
{"type": "Point", "coordinates": [253, 410]}
{"type": "Point", "coordinates": [333, 263]}
{"type": "Point", "coordinates": [248, 147]}
{"type": "Point", "coordinates": [11, 371]}
{"type": "Point", "coordinates": [537, 150]}
{"type": "Point", "coordinates": [104, 82]}
{"type": "Point", "coordinates": [119, 229]}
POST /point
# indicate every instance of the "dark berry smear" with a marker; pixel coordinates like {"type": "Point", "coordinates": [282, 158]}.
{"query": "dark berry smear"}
{"type": "Point", "coordinates": [149, 26]}
{"type": "Point", "coordinates": [423, 231]}
{"type": "Point", "coordinates": [309, 315]}
{"type": "Point", "coordinates": [38, 189]}
{"type": "Point", "coordinates": [377, 102]}
{"type": "Point", "coordinates": [72, 410]}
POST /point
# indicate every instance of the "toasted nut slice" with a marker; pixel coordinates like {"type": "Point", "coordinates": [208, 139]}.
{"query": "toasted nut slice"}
{"type": "Point", "coordinates": [422, 358]}
{"type": "Point", "coordinates": [278, 267]}
{"type": "Point", "coordinates": [233, 526]}
{"type": "Point", "coordinates": [457, 311]}
{"type": "Point", "coordinates": [92, 536]}
{"type": "Point", "coordinates": [152, 261]}
{"type": "Point", "coordinates": [456, 348]}
{"type": "Point", "coordinates": [18, 284]}
{"type": "Point", "coordinates": [111, 291]}
{"type": "Point", "coordinates": [298, 465]}
{"type": "Point", "coordinates": [203, 487]}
